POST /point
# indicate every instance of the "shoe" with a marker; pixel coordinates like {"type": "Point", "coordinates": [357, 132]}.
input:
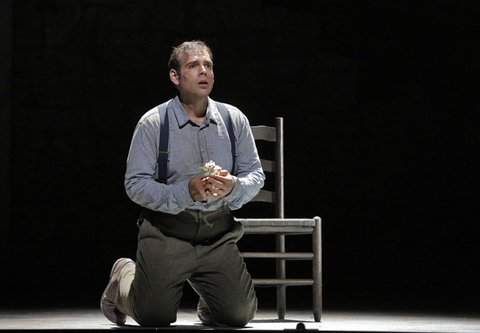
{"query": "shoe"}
{"type": "Point", "coordinates": [107, 303]}
{"type": "Point", "coordinates": [204, 313]}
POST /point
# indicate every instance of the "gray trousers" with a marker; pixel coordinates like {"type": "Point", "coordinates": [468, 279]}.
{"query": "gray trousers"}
{"type": "Point", "coordinates": [150, 292]}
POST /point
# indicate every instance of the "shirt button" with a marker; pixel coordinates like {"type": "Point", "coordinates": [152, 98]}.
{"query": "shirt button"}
{"type": "Point", "coordinates": [203, 150]}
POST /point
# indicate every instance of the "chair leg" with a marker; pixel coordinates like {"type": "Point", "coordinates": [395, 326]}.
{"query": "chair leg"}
{"type": "Point", "coordinates": [281, 301]}
{"type": "Point", "coordinates": [281, 290]}
{"type": "Point", "coordinates": [317, 270]}
{"type": "Point", "coordinates": [317, 302]}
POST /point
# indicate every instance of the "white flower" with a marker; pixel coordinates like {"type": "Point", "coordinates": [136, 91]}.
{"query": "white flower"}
{"type": "Point", "coordinates": [211, 168]}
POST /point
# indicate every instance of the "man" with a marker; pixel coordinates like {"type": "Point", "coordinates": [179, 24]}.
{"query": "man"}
{"type": "Point", "coordinates": [186, 230]}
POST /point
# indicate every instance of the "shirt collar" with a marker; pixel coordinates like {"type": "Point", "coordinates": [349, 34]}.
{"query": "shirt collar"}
{"type": "Point", "coordinates": [212, 115]}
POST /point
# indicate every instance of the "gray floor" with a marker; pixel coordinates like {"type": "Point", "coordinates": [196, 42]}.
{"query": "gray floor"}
{"type": "Point", "coordinates": [92, 319]}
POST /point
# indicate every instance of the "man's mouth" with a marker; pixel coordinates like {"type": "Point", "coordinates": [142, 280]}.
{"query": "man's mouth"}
{"type": "Point", "coordinates": [203, 83]}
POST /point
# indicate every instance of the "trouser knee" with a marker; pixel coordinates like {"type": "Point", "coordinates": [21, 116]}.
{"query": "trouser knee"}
{"type": "Point", "coordinates": [154, 318]}
{"type": "Point", "coordinates": [152, 313]}
{"type": "Point", "coordinates": [237, 316]}
{"type": "Point", "coordinates": [235, 320]}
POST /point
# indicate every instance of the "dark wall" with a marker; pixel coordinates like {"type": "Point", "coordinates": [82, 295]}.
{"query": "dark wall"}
{"type": "Point", "coordinates": [5, 123]}
{"type": "Point", "coordinates": [381, 108]}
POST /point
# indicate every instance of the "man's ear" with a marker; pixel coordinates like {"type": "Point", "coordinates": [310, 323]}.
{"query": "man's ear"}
{"type": "Point", "coordinates": [174, 77]}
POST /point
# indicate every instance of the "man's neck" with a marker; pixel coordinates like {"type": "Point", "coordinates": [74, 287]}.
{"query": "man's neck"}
{"type": "Point", "coordinates": [195, 108]}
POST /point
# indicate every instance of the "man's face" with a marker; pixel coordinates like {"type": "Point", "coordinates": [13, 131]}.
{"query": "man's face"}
{"type": "Point", "coordinates": [196, 75]}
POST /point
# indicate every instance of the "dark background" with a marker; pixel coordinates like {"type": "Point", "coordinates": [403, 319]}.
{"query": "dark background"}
{"type": "Point", "coordinates": [381, 106]}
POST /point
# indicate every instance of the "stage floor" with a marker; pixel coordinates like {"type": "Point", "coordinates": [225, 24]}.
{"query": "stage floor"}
{"type": "Point", "coordinates": [92, 319]}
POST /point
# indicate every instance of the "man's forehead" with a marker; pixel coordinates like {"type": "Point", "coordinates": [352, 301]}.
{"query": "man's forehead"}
{"type": "Point", "coordinates": [197, 55]}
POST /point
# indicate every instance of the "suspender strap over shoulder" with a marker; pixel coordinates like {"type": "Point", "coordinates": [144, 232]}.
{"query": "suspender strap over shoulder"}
{"type": "Point", "coordinates": [162, 159]}
{"type": "Point", "coordinates": [163, 144]}
{"type": "Point", "coordinates": [228, 123]}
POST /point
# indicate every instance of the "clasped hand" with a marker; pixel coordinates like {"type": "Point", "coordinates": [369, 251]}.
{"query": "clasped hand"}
{"type": "Point", "coordinates": [218, 186]}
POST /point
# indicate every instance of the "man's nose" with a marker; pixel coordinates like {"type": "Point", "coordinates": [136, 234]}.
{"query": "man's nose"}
{"type": "Point", "coordinates": [203, 70]}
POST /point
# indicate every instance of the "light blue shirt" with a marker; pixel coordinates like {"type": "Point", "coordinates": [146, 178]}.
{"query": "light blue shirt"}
{"type": "Point", "coordinates": [190, 147]}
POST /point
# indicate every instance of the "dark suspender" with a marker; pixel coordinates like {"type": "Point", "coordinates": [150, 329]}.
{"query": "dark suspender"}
{"type": "Point", "coordinates": [164, 133]}
{"type": "Point", "coordinates": [163, 145]}
{"type": "Point", "coordinates": [228, 123]}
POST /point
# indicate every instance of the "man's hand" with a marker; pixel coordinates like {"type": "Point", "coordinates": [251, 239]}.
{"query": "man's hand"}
{"type": "Point", "coordinates": [211, 186]}
{"type": "Point", "coordinates": [197, 187]}
{"type": "Point", "coordinates": [219, 186]}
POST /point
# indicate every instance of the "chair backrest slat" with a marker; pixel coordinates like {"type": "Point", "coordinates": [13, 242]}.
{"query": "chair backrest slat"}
{"type": "Point", "coordinates": [262, 132]}
{"type": "Point", "coordinates": [265, 196]}
{"type": "Point", "coordinates": [272, 134]}
{"type": "Point", "coordinates": [267, 165]}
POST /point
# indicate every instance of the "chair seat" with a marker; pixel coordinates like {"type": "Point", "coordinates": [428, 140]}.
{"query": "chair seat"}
{"type": "Point", "coordinates": [276, 221]}
{"type": "Point", "coordinates": [283, 282]}
{"type": "Point", "coordinates": [277, 225]}
{"type": "Point", "coordinates": [280, 255]}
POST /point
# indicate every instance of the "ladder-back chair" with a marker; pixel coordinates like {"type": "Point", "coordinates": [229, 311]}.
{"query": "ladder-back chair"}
{"type": "Point", "coordinates": [281, 227]}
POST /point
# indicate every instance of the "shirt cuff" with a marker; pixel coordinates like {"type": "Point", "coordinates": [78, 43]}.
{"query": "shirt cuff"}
{"type": "Point", "coordinates": [182, 195]}
{"type": "Point", "coordinates": [236, 191]}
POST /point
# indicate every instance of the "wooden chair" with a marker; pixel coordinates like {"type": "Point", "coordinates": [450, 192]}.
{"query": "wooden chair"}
{"type": "Point", "coordinates": [281, 227]}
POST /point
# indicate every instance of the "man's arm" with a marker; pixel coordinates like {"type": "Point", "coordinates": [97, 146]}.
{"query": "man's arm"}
{"type": "Point", "coordinates": [249, 177]}
{"type": "Point", "coordinates": [140, 183]}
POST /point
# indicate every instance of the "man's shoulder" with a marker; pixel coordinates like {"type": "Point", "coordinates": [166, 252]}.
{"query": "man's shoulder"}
{"type": "Point", "coordinates": [152, 116]}
{"type": "Point", "coordinates": [229, 107]}
{"type": "Point", "coordinates": [234, 112]}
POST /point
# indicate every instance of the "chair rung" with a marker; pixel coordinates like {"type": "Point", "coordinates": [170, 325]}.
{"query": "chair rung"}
{"type": "Point", "coordinates": [277, 230]}
{"type": "Point", "coordinates": [283, 282]}
{"type": "Point", "coordinates": [279, 255]}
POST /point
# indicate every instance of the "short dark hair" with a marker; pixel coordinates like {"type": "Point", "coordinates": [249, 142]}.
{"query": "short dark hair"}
{"type": "Point", "coordinates": [181, 51]}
